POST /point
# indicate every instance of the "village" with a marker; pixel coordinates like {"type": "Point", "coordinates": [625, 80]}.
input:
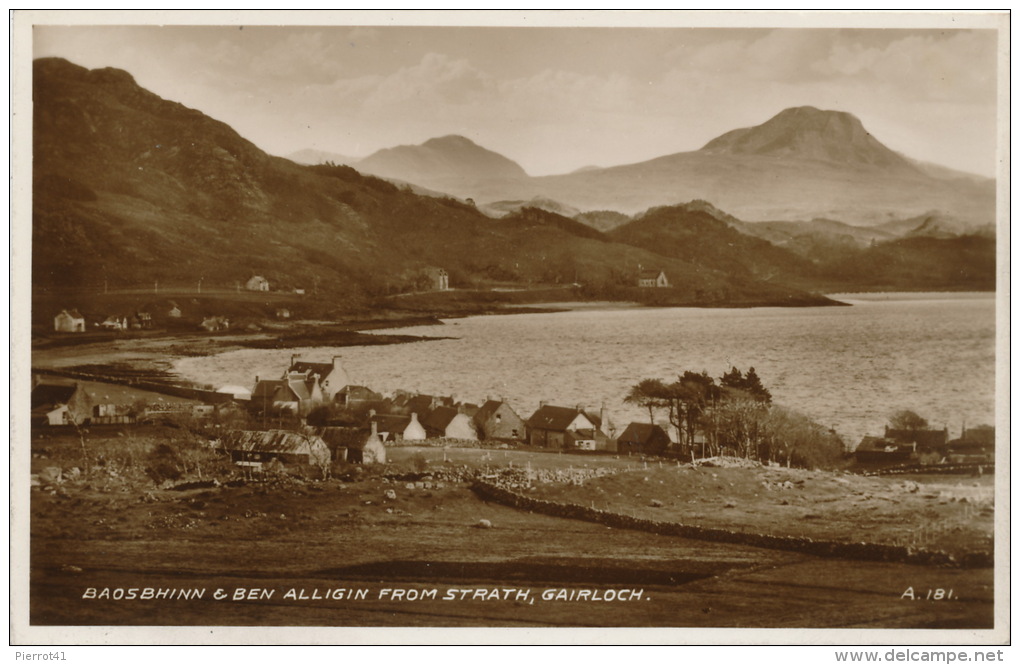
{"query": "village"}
{"type": "Point", "coordinates": [312, 414]}
{"type": "Point", "coordinates": [200, 472]}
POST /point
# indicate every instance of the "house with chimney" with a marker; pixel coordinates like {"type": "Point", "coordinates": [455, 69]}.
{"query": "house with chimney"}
{"type": "Point", "coordinates": [652, 279]}
{"type": "Point", "coordinates": [563, 427]}
{"type": "Point", "coordinates": [70, 321]}
{"type": "Point", "coordinates": [331, 377]}
{"type": "Point", "coordinates": [496, 420]}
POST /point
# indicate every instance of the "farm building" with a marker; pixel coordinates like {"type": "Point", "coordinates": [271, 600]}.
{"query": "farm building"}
{"type": "Point", "coordinates": [330, 377]}
{"type": "Point", "coordinates": [174, 312]}
{"type": "Point", "coordinates": [497, 420]}
{"type": "Point", "coordinates": [141, 321]}
{"type": "Point", "coordinates": [652, 279]}
{"type": "Point", "coordinates": [214, 323]}
{"type": "Point", "coordinates": [257, 283]}
{"type": "Point", "coordinates": [59, 404]}
{"type": "Point", "coordinates": [547, 427]}
{"type": "Point", "coordinates": [69, 321]}
{"type": "Point", "coordinates": [643, 439]}
{"type": "Point", "coordinates": [114, 323]}
{"type": "Point", "coordinates": [903, 446]}
{"type": "Point", "coordinates": [439, 279]}
{"type": "Point", "coordinates": [976, 444]}
{"type": "Point", "coordinates": [447, 422]}
{"type": "Point", "coordinates": [253, 448]}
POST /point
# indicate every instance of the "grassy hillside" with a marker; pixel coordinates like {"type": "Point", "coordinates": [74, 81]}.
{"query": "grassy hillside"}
{"type": "Point", "coordinates": [132, 190]}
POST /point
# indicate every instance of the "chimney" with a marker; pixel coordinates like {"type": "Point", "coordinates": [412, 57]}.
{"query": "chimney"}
{"type": "Point", "coordinates": [542, 404]}
{"type": "Point", "coordinates": [371, 413]}
{"type": "Point", "coordinates": [602, 417]}
{"type": "Point", "coordinates": [293, 358]}
{"type": "Point", "coordinates": [414, 417]}
{"type": "Point", "coordinates": [336, 362]}
{"type": "Point", "coordinates": [488, 398]}
{"type": "Point", "coordinates": [375, 429]}
{"type": "Point", "coordinates": [580, 408]}
{"type": "Point", "coordinates": [256, 379]}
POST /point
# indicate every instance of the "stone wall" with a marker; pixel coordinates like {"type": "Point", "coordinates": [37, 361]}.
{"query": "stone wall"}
{"type": "Point", "coordinates": [860, 551]}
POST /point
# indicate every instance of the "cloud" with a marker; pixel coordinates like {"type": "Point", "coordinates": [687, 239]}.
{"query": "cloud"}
{"type": "Point", "coordinates": [955, 67]}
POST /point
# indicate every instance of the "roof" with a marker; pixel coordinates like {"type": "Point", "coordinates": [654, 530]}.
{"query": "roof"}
{"type": "Point", "coordinates": [47, 394]}
{"type": "Point", "coordinates": [440, 418]}
{"type": "Point", "coordinates": [266, 389]}
{"type": "Point", "coordinates": [360, 393]}
{"type": "Point", "coordinates": [487, 411]}
{"type": "Point", "coordinates": [983, 435]}
{"type": "Point", "coordinates": [649, 274]}
{"type": "Point", "coordinates": [301, 386]}
{"type": "Point", "coordinates": [642, 433]}
{"type": "Point", "coordinates": [272, 441]}
{"type": "Point", "coordinates": [555, 418]}
{"type": "Point", "coordinates": [391, 423]}
{"type": "Point", "coordinates": [302, 367]}
{"type": "Point", "coordinates": [342, 437]}
{"type": "Point", "coordinates": [73, 313]}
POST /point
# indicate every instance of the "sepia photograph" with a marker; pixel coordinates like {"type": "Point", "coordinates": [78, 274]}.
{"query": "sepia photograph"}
{"type": "Point", "coordinates": [523, 322]}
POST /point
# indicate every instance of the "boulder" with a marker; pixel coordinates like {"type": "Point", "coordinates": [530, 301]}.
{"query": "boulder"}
{"type": "Point", "coordinates": [50, 475]}
{"type": "Point", "coordinates": [390, 494]}
{"type": "Point", "coordinates": [484, 524]}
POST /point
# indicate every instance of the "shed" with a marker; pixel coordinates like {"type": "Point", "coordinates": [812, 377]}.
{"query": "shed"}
{"type": "Point", "coordinates": [643, 439]}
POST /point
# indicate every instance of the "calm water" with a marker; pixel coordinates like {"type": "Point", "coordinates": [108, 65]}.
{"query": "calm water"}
{"type": "Point", "coordinates": [847, 367]}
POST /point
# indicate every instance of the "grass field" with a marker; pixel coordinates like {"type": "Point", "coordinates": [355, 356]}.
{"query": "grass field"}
{"type": "Point", "coordinates": [374, 534]}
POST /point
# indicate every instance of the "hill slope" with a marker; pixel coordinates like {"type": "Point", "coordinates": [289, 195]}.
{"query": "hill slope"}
{"type": "Point", "coordinates": [132, 190]}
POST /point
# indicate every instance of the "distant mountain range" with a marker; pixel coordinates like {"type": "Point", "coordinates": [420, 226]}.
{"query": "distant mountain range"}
{"type": "Point", "coordinates": [802, 164]}
{"type": "Point", "coordinates": [131, 190]}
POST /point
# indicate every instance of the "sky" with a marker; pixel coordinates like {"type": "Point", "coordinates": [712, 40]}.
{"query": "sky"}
{"type": "Point", "coordinates": [555, 99]}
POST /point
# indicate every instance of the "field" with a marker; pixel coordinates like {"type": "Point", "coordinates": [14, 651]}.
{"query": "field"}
{"type": "Point", "coordinates": [335, 552]}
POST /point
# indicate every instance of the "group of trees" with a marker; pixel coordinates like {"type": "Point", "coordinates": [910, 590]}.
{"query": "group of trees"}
{"type": "Point", "coordinates": [735, 416]}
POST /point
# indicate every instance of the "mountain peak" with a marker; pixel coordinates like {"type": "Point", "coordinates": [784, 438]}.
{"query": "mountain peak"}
{"type": "Point", "coordinates": [450, 140]}
{"type": "Point", "coordinates": [438, 159]}
{"type": "Point", "coordinates": [807, 132]}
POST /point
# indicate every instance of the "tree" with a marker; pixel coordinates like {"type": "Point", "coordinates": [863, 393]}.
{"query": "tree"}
{"type": "Point", "coordinates": [648, 394]}
{"type": "Point", "coordinates": [905, 419]}
{"type": "Point", "coordinates": [749, 383]}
